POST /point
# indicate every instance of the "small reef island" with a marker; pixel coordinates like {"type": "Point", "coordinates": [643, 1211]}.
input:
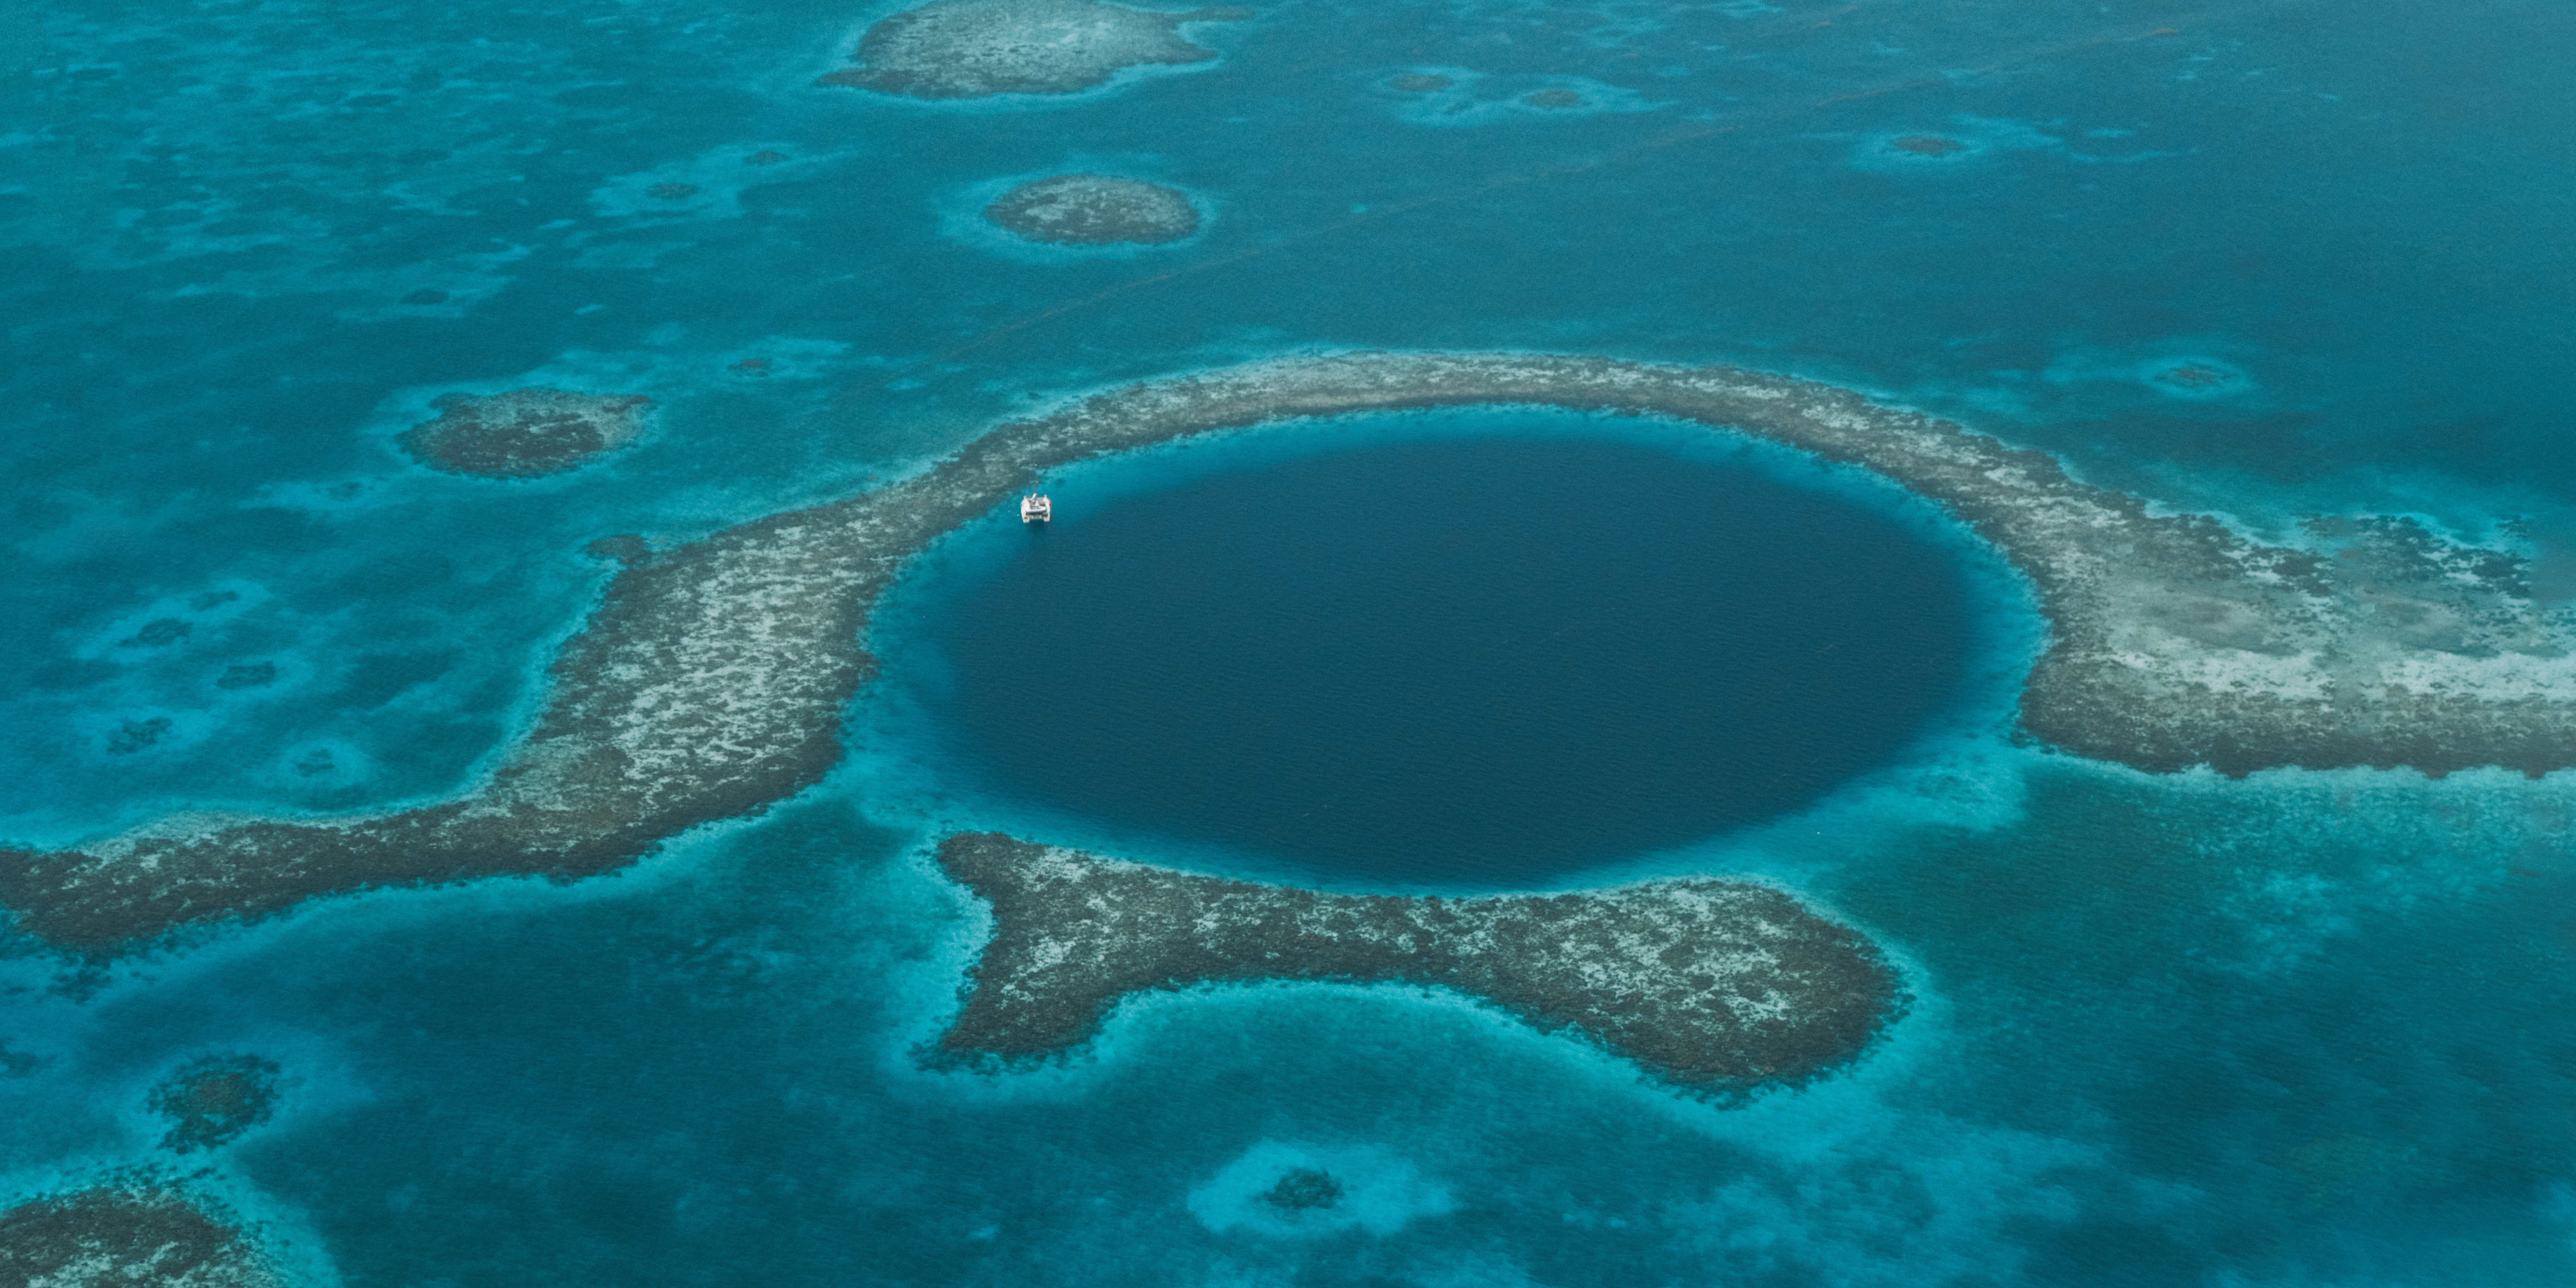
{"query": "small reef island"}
{"type": "Point", "coordinates": [132, 1229]}
{"type": "Point", "coordinates": [711, 679]}
{"type": "Point", "coordinates": [978, 48]}
{"type": "Point", "coordinates": [1717, 987]}
{"type": "Point", "coordinates": [524, 433]}
{"type": "Point", "coordinates": [1094, 210]}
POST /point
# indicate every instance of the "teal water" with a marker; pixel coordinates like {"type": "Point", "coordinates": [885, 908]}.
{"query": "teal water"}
{"type": "Point", "coordinates": [2308, 1028]}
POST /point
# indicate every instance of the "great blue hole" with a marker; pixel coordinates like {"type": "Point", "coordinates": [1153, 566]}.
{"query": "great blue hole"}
{"type": "Point", "coordinates": [1482, 660]}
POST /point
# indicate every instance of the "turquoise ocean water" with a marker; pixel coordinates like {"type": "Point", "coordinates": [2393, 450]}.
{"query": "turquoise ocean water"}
{"type": "Point", "coordinates": [2308, 1028]}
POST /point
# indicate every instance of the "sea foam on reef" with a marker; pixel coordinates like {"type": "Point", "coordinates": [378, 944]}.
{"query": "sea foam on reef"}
{"type": "Point", "coordinates": [711, 680]}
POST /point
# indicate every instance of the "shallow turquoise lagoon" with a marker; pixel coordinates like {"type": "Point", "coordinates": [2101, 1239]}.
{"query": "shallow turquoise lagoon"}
{"type": "Point", "coordinates": [2271, 259]}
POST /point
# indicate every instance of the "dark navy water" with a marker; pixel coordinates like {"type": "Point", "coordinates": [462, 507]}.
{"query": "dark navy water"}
{"type": "Point", "coordinates": [1482, 661]}
{"type": "Point", "coordinates": [2303, 1029]}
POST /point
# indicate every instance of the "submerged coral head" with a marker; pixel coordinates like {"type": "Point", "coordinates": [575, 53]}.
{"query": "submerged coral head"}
{"type": "Point", "coordinates": [1094, 210]}
{"type": "Point", "coordinates": [1304, 1188]}
{"type": "Point", "coordinates": [979, 48]}
{"type": "Point", "coordinates": [214, 1100]}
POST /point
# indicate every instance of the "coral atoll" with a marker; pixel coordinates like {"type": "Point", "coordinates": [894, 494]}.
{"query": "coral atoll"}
{"type": "Point", "coordinates": [132, 1231]}
{"type": "Point", "coordinates": [523, 433]}
{"type": "Point", "coordinates": [1718, 986]}
{"type": "Point", "coordinates": [979, 48]}
{"type": "Point", "coordinates": [1094, 210]}
{"type": "Point", "coordinates": [711, 679]}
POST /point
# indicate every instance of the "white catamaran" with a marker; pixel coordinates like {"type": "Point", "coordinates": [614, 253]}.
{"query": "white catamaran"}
{"type": "Point", "coordinates": [1035, 508]}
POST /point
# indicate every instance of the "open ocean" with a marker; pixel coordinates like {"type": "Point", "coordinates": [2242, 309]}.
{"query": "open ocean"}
{"type": "Point", "coordinates": [2306, 1028]}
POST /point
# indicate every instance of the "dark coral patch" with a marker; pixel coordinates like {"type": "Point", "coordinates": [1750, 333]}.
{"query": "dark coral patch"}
{"type": "Point", "coordinates": [161, 632]}
{"type": "Point", "coordinates": [1926, 145]}
{"type": "Point", "coordinates": [523, 433]}
{"type": "Point", "coordinates": [247, 675]}
{"type": "Point", "coordinates": [1304, 1189]}
{"type": "Point", "coordinates": [1553, 99]}
{"type": "Point", "coordinates": [135, 735]}
{"type": "Point", "coordinates": [1419, 83]}
{"type": "Point", "coordinates": [214, 1100]}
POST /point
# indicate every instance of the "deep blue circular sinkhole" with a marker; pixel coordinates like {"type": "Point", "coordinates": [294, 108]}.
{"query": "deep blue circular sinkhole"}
{"type": "Point", "coordinates": [1466, 661]}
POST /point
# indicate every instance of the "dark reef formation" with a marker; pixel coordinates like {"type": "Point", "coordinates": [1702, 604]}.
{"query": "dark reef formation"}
{"type": "Point", "coordinates": [1926, 145]}
{"type": "Point", "coordinates": [247, 675]}
{"type": "Point", "coordinates": [161, 632]}
{"type": "Point", "coordinates": [523, 433]}
{"type": "Point", "coordinates": [1094, 210]}
{"type": "Point", "coordinates": [710, 680]}
{"type": "Point", "coordinates": [979, 48]}
{"type": "Point", "coordinates": [1304, 1189]}
{"type": "Point", "coordinates": [131, 1231]}
{"type": "Point", "coordinates": [1419, 83]}
{"type": "Point", "coordinates": [1553, 99]}
{"type": "Point", "coordinates": [135, 735]}
{"type": "Point", "coordinates": [1716, 986]}
{"type": "Point", "coordinates": [215, 1099]}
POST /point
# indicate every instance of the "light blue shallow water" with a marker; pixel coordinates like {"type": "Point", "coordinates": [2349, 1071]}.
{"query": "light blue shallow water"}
{"type": "Point", "coordinates": [2308, 1028]}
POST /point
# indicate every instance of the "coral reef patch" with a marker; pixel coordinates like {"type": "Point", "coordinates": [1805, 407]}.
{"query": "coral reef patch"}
{"type": "Point", "coordinates": [247, 675]}
{"type": "Point", "coordinates": [951, 49]}
{"type": "Point", "coordinates": [1720, 987]}
{"type": "Point", "coordinates": [214, 1100]}
{"type": "Point", "coordinates": [710, 680]}
{"type": "Point", "coordinates": [1304, 1189]}
{"type": "Point", "coordinates": [133, 1230]}
{"type": "Point", "coordinates": [524, 433]}
{"type": "Point", "coordinates": [1094, 210]}
{"type": "Point", "coordinates": [136, 735]}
